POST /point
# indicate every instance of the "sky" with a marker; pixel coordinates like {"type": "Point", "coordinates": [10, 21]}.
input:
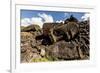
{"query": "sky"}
{"type": "Point", "coordinates": [29, 17]}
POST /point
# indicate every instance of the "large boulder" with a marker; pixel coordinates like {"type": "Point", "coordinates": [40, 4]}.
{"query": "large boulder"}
{"type": "Point", "coordinates": [54, 32]}
{"type": "Point", "coordinates": [31, 28]}
{"type": "Point", "coordinates": [68, 31]}
{"type": "Point", "coordinates": [64, 51]}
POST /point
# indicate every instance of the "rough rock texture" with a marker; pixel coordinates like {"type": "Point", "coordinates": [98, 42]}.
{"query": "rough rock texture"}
{"type": "Point", "coordinates": [84, 38]}
{"type": "Point", "coordinates": [63, 50]}
{"type": "Point", "coordinates": [55, 41]}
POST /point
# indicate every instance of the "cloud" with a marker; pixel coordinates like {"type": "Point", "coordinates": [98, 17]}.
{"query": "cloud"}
{"type": "Point", "coordinates": [85, 17]}
{"type": "Point", "coordinates": [25, 22]}
{"type": "Point", "coordinates": [39, 20]}
{"type": "Point", "coordinates": [33, 20]}
{"type": "Point", "coordinates": [46, 18]}
{"type": "Point", "coordinates": [59, 21]}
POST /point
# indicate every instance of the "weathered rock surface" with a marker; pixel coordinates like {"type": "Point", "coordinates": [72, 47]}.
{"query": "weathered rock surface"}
{"type": "Point", "coordinates": [63, 50]}
{"type": "Point", "coordinates": [55, 41]}
{"type": "Point", "coordinates": [31, 28]}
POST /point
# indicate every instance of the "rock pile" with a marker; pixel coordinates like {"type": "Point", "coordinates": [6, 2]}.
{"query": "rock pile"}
{"type": "Point", "coordinates": [55, 41]}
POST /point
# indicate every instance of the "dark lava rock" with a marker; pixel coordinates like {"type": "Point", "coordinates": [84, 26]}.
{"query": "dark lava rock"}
{"type": "Point", "coordinates": [63, 50]}
{"type": "Point", "coordinates": [56, 41]}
